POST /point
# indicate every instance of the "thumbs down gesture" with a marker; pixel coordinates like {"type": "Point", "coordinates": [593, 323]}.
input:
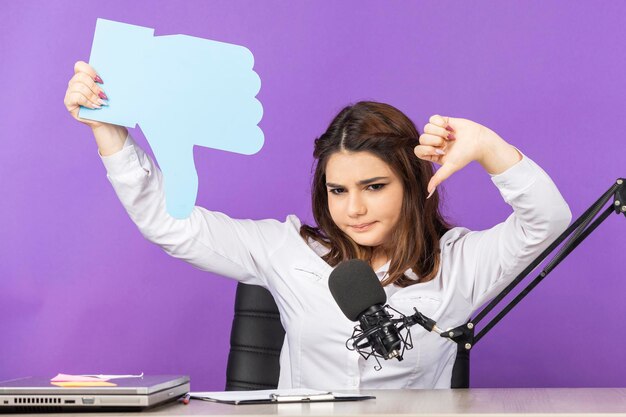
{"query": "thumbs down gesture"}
{"type": "Point", "coordinates": [182, 91]}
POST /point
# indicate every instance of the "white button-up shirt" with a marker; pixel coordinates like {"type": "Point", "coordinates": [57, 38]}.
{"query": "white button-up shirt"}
{"type": "Point", "coordinates": [475, 266]}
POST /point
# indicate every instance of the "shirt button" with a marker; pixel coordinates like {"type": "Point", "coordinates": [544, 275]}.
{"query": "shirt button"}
{"type": "Point", "coordinates": [133, 157]}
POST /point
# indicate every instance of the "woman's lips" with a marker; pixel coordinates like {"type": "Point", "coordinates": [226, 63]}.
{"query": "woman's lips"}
{"type": "Point", "coordinates": [364, 227]}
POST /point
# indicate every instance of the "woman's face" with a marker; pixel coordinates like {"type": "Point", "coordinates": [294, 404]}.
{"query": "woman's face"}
{"type": "Point", "coordinates": [363, 190]}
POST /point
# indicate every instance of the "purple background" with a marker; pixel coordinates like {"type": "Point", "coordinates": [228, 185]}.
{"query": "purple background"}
{"type": "Point", "coordinates": [82, 292]}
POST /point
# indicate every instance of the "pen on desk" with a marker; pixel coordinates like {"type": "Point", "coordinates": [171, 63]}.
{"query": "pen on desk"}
{"type": "Point", "coordinates": [185, 399]}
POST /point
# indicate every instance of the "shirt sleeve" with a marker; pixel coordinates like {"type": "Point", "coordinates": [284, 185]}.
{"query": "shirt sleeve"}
{"type": "Point", "coordinates": [490, 259]}
{"type": "Point", "coordinates": [211, 241]}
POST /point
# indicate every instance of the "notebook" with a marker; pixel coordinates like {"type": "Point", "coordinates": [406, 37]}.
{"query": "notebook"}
{"type": "Point", "coordinates": [296, 395]}
{"type": "Point", "coordinates": [40, 395]}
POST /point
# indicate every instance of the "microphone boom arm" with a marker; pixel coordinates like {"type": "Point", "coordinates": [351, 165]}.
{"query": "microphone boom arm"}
{"type": "Point", "coordinates": [581, 228]}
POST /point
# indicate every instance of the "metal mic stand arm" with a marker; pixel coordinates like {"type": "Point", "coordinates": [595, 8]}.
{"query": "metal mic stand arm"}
{"type": "Point", "coordinates": [582, 227]}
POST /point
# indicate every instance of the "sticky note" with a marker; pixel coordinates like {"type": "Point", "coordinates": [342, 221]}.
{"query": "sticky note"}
{"type": "Point", "coordinates": [72, 384]}
{"type": "Point", "coordinates": [182, 91]}
{"type": "Point", "coordinates": [75, 378]}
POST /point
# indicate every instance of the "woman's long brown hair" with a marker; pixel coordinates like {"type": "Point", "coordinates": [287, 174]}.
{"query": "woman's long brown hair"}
{"type": "Point", "coordinates": [386, 132]}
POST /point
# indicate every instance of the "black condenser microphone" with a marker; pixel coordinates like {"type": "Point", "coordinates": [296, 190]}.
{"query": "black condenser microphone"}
{"type": "Point", "coordinates": [359, 294]}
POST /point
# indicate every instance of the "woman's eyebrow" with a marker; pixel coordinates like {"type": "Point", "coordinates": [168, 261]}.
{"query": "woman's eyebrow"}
{"type": "Point", "coordinates": [362, 182]}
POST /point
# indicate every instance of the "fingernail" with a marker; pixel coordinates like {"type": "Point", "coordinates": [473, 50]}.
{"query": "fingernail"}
{"type": "Point", "coordinates": [451, 136]}
{"type": "Point", "coordinates": [439, 152]}
{"type": "Point", "coordinates": [98, 79]}
{"type": "Point", "coordinates": [431, 193]}
{"type": "Point", "coordinates": [104, 103]}
{"type": "Point", "coordinates": [102, 95]}
{"type": "Point", "coordinates": [449, 129]}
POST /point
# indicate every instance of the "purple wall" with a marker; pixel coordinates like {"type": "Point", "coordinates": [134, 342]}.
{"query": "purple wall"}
{"type": "Point", "coordinates": [80, 289]}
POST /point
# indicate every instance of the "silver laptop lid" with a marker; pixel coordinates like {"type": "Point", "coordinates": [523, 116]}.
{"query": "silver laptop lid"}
{"type": "Point", "coordinates": [145, 385]}
{"type": "Point", "coordinates": [39, 395]}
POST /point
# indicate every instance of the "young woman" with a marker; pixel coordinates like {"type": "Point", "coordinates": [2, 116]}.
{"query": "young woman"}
{"type": "Point", "coordinates": [374, 198]}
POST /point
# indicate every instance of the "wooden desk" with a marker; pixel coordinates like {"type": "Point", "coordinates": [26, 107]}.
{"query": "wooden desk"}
{"type": "Point", "coordinates": [470, 402]}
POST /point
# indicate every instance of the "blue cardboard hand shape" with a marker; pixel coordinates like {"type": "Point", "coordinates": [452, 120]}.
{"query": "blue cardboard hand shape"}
{"type": "Point", "coordinates": [182, 91]}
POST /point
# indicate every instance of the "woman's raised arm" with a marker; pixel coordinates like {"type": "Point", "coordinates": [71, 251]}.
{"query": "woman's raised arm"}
{"type": "Point", "coordinates": [211, 241]}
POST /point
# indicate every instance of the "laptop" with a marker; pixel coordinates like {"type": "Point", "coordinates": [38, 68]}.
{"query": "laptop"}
{"type": "Point", "coordinates": [131, 394]}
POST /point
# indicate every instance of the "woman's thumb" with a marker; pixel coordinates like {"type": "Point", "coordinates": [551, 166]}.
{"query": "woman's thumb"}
{"type": "Point", "coordinates": [440, 176]}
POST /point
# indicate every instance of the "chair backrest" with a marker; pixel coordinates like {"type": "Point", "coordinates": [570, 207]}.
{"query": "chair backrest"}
{"type": "Point", "coordinates": [461, 369]}
{"type": "Point", "coordinates": [256, 339]}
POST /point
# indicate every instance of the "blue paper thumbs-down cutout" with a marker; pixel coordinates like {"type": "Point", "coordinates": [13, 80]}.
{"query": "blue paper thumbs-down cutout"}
{"type": "Point", "coordinates": [182, 91]}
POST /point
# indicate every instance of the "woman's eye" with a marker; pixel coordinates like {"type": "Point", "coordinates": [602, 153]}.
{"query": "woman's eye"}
{"type": "Point", "coordinates": [373, 187]}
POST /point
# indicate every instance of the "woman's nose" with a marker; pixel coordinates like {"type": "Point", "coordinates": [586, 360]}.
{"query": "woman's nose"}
{"type": "Point", "coordinates": [356, 207]}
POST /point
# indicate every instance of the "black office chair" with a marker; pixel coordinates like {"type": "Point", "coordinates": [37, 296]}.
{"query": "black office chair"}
{"type": "Point", "coordinates": [256, 339]}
